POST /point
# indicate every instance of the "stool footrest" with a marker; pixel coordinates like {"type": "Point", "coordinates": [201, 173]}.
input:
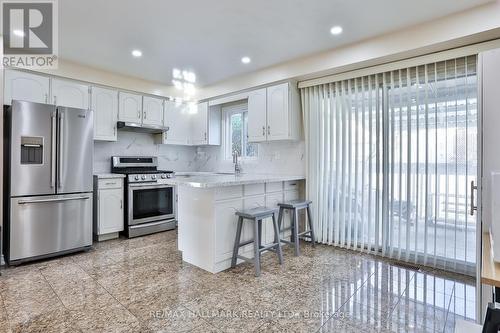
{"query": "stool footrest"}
{"type": "Point", "coordinates": [245, 258]}
{"type": "Point", "coordinates": [268, 247]}
{"type": "Point", "coordinates": [305, 233]}
{"type": "Point", "coordinates": [245, 243]}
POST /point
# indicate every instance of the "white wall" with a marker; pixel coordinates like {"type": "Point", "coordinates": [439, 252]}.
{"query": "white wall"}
{"type": "Point", "coordinates": [103, 77]}
{"type": "Point", "coordinates": [472, 26]}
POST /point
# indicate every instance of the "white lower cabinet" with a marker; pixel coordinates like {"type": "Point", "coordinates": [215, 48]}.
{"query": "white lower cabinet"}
{"type": "Point", "coordinates": [247, 233]}
{"type": "Point", "coordinates": [226, 226]}
{"type": "Point", "coordinates": [108, 207]}
{"type": "Point", "coordinates": [208, 223]}
{"type": "Point", "coordinates": [272, 200]}
{"type": "Point", "coordinates": [287, 217]}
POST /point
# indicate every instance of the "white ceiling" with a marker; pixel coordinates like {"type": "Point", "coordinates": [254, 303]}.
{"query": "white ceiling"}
{"type": "Point", "coordinates": [209, 37]}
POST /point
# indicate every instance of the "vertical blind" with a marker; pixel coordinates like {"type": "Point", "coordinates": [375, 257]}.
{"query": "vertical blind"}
{"type": "Point", "coordinates": [390, 158]}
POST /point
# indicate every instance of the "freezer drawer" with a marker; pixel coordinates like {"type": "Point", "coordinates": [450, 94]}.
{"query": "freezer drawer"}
{"type": "Point", "coordinates": [44, 225]}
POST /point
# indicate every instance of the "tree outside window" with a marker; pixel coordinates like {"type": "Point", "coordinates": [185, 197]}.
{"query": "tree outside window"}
{"type": "Point", "coordinates": [236, 136]}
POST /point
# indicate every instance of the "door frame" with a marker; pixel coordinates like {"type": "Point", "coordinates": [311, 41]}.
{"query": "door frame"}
{"type": "Point", "coordinates": [480, 309]}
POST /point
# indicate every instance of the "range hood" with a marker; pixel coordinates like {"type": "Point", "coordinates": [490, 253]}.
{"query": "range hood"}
{"type": "Point", "coordinates": [142, 128]}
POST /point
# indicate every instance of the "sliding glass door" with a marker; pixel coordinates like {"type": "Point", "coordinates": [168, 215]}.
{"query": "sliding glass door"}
{"type": "Point", "coordinates": [391, 158]}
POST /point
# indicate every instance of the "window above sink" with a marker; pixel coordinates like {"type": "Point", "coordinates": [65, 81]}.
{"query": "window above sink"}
{"type": "Point", "coordinates": [235, 132]}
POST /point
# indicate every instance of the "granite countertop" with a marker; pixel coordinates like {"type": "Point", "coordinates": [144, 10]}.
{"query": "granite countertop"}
{"type": "Point", "coordinates": [109, 175]}
{"type": "Point", "coordinates": [210, 180]}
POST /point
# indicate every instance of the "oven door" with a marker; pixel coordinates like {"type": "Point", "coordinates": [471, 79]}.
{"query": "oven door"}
{"type": "Point", "coordinates": [150, 202]}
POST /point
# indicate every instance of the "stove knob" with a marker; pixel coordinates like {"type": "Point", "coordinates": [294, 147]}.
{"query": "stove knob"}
{"type": "Point", "coordinates": [143, 177]}
{"type": "Point", "coordinates": [153, 177]}
{"type": "Point", "coordinates": [163, 176]}
{"type": "Point", "coordinates": [136, 177]}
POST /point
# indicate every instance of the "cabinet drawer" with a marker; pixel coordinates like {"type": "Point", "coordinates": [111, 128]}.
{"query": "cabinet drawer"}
{"type": "Point", "coordinates": [110, 183]}
{"type": "Point", "coordinates": [253, 189]}
{"type": "Point", "coordinates": [292, 185]}
{"type": "Point", "coordinates": [229, 192]}
{"type": "Point", "coordinates": [274, 187]}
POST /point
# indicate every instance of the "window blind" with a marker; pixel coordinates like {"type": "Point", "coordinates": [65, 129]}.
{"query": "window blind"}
{"type": "Point", "coordinates": [390, 158]}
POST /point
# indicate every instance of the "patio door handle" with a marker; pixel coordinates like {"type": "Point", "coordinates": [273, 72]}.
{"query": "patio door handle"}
{"type": "Point", "coordinates": [472, 189]}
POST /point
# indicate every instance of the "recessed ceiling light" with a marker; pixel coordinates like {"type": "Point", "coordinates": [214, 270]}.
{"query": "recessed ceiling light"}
{"type": "Point", "coordinates": [336, 30]}
{"type": "Point", "coordinates": [246, 60]}
{"type": "Point", "coordinates": [18, 33]}
{"type": "Point", "coordinates": [137, 53]}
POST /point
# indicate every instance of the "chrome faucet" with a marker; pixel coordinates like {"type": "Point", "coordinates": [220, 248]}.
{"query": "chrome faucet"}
{"type": "Point", "coordinates": [237, 165]}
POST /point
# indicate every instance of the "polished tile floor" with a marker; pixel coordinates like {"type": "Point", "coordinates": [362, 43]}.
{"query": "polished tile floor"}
{"type": "Point", "coordinates": [142, 285]}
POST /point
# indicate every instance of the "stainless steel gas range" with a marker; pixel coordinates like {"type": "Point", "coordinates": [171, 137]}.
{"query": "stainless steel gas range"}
{"type": "Point", "coordinates": [149, 199]}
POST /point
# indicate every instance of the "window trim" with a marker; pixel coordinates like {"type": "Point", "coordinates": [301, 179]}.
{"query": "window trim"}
{"type": "Point", "coordinates": [227, 112]}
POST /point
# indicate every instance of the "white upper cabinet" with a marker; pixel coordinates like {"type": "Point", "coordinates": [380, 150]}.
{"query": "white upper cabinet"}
{"type": "Point", "coordinates": [178, 121]}
{"type": "Point", "coordinates": [274, 113]}
{"type": "Point", "coordinates": [130, 107]}
{"type": "Point", "coordinates": [105, 106]}
{"type": "Point", "coordinates": [199, 125]}
{"type": "Point", "coordinates": [257, 123]}
{"type": "Point", "coordinates": [277, 112]}
{"type": "Point", "coordinates": [26, 87]}
{"type": "Point", "coordinates": [152, 111]}
{"type": "Point", "coordinates": [70, 93]}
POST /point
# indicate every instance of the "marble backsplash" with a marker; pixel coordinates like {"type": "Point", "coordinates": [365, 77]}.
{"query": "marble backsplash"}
{"type": "Point", "coordinates": [178, 158]}
{"type": "Point", "coordinates": [286, 158]}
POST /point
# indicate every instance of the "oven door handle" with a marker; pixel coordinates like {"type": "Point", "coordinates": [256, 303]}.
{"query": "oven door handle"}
{"type": "Point", "coordinates": [152, 185]}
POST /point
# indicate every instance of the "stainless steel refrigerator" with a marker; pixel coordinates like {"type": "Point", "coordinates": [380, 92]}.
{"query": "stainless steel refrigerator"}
{"type": "Point", "coordinates": [48, 180]}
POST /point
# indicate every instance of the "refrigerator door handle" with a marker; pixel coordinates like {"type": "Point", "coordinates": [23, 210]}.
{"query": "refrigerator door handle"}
{"type": "Point", "coordinates": [53, 150]}
{"type": "Point", "coordinates": [61, 149]}
{"type": "Point", "coordinates": [23, 202]}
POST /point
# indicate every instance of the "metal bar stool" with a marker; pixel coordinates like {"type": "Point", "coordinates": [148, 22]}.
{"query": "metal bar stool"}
{"type": "Point", "coordinates": [294, 206]}
{"type": "Point", "coordinates": [256, 215]}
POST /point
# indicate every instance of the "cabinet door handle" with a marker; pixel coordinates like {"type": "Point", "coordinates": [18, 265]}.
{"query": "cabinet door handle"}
{"type": "Point", "coordinates": [55, 100]}
{"type": "Point", "coordinates": [46, 98]}
{"type": "Point", "coordinates": [268, 130]}
{"type": "Point", "coordinates": [138, 114]}
{"type": "Point", "coordinates": [121, 203]}
{"type": "Point", "coordinates": [145, 114]}
{"type": "Point", "coordinates": [263, 130]}
{"type": "Point", "coordinates": [205, 136]}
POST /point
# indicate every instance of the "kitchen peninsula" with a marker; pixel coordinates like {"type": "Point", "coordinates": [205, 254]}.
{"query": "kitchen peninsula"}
{"type": "Point", "coordinates": [206, 213]}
